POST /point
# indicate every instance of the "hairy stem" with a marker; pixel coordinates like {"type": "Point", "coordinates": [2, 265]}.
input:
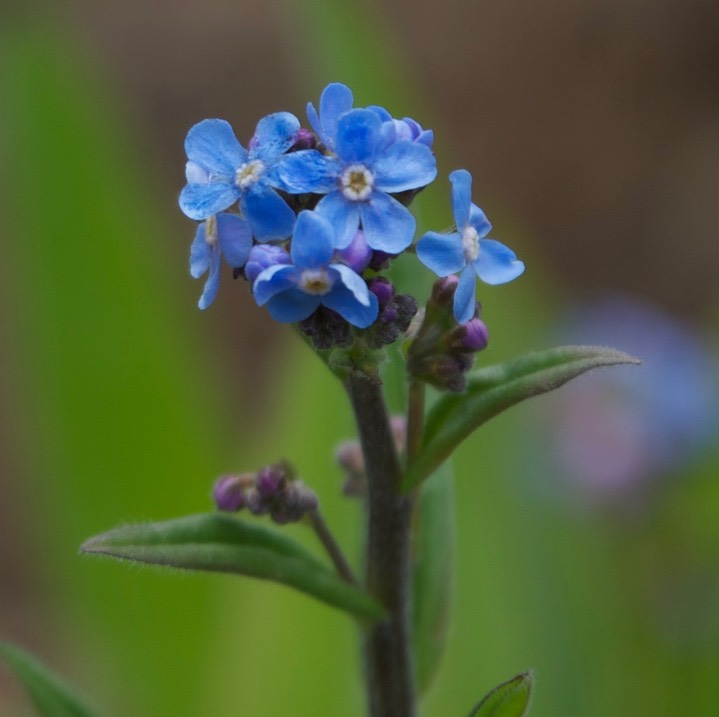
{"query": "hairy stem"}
{"type": "Point", "coordinates": [388, 658]}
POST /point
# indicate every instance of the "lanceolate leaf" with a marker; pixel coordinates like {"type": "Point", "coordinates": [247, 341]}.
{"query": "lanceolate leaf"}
{"type": "Point", "coordinates": [50, 697]}
{"type": "Point", "coordinates": [510, 699]}
{"type": "Point", "coordinates": [493, 389]}
{"type": "Point", "coordinates": [222, 543]}
{"type": "Point", "coordinates": [432, 574]}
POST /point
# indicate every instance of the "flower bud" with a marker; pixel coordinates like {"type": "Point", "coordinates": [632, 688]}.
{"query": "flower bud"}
{"type": "Point", "coordinates": [357, 255]}
{"type": "Point", "coordinates": [474, 335]}
{"type": "Point", "coordinates": [382, 288]}
{"type": "Point", "coordinates": [263, 256]}
{"type": "Point", "coordinates": [295, 501]}
{"type": "Point", "coordinates": [229, 492]}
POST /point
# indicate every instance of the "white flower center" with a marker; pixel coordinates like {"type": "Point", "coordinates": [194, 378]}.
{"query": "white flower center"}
{"type": "Point", "coordinates": [211, 230]}
{"type": "Point", "coordinates": [315, 281]}
{"type": "Point", "coordinates": [470, 243]}
{"type": "Point", "coordinates": [249, 173]}
{"type": "Point", "coordinates": [357, 182]}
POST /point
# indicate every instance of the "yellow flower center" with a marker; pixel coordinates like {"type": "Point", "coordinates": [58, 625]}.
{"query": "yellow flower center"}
{"type": "Point", "coordinates": [249, 173]}
{"type": "Point", "coordinates": [315, 281]}
{"type": "Point", "coordinates": [357, 182]}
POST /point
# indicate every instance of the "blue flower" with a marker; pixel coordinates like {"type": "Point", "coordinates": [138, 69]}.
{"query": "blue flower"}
{"type": "Point", "coordinates": [222, 234]}
{"type": "Point", "coordinates": [220, 171]}
{"type": "Point", "coordinates": [468, 250]}
{"type": "Point", "coordinates": [293, 292]}
{"type": "Point", "coordinates": [336, 99]}
{"type": "Point", "coordinates": [358, 181]}
{"type": "Point", "coordinates": [406, 128]}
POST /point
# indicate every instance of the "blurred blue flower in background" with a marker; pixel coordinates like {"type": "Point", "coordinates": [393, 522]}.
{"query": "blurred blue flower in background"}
{"type": "Point", "coordinates": [615, 431]}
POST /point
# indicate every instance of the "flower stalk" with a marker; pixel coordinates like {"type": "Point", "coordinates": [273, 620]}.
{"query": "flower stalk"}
{"type": "Point", "coordinates": [387, 653]}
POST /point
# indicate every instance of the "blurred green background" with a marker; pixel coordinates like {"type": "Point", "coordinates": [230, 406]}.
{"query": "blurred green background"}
{"type": "Point", "coordinates": [592, 131]}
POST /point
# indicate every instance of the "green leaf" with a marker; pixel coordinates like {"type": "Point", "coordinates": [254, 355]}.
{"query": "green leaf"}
{"type": "Point", "coordinates": [432, 574]}
{"type": "Point", "coordinates": [510, 699]}
{"type": "Point", "coordinates": [221, 543]}
{"type": "Point", "coordinates": [493, 389]}
{"type": "Point", "coordinates": [49, 695]}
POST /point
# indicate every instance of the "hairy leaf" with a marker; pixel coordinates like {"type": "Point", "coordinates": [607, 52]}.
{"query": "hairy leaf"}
{"type": "Point", "coordinates": [222, 543]}
{"type": "Point", "coordinates": [493, 389]}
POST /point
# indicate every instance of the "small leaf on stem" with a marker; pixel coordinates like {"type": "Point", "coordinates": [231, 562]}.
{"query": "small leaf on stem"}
{"type": "Point", "coordinates": [225, 544]}
{"type": "Point", "coordinates": [493, 389]}
{"type": "Point", "coordinates": [49, 695]}
{"type": "Point", "coordinates": [510, 699]}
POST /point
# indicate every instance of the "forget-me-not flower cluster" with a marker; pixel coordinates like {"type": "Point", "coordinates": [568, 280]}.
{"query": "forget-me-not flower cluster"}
{"type": "Point", "coordinates": [311, 217]}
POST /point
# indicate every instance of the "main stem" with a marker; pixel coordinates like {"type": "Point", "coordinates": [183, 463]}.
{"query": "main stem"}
{"type": "Point", "coordinates": [387, 649]}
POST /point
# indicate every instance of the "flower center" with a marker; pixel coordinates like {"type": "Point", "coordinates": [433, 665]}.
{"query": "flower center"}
{"type": "Point", "coordinates": [470, 243]}
{"type": "Point", "coordinates": [357, 182]}
{"type": "Point", "coordinates": [211, 230]}
{"type": "Point", "coordinates": [249, 173]}
{"type": "Point", "coordinates": [315, 281]}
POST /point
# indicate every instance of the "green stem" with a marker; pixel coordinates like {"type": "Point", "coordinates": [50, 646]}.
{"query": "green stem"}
{"type": "Point", "coordinates": [387, 651]}
{"type": "Point", "coordinates": [415, 420]}
{"type": "Point", "coordinates": [333, 549]}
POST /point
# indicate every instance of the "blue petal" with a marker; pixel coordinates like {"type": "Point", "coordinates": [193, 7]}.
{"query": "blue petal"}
{"type": "Point", "coordinates": [336, 99]}
{"type": "Point", "coordinates": [267, 213]}
{"type": "Point", "coordinates": [307, 171]}
{"type": "Point", "coordinates": [388, 225]}
{"type": "Point", "coordinates": [404, 165]}
{"type": "Point", "coordinates": [464, 296]}
{"type": "Point", "coordinates": [213, 281]}
{"type": "Point", "coordinates": [359, 134]}
{"type": "Point", "coordinates": [381, 112]}
{"type": "Point", "coordinates": [354, 282]}
{"type": "Point", "coordinates": [200, 201]}
{"type": "Point", "coordinates": [478, 220]}
{"type": "Point", "coordinates": [213, 146]}
{"type": "Point", "coordinates": [345, 303]}
{"type": "Point", "coordinates": [199, 253]}
{"type": "Point", "coordinates": [496, 263]}
{"type": "Point", "coordinates": [273, 280]}
{"type": "Point", "coordinates": [274, 135]}
{"type": "Point", "coordinates": [442, 253]}
{"type": "Point", "coordinates": [343, 215]}
{"type": "Point", "coordinates": [292, 305]}
{"type": "Point", "coordinates": [461, 197]}
{"type": "Point", "coordinates": [313, 241]}
{"type": "Point", "coordinates": [235, 238]}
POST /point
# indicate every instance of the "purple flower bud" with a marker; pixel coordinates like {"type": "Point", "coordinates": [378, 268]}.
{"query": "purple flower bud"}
{"type": "Point", "coordinates": [297, 500]}
{"type": "Point", "coordinates": [382, 288]}
{"type": "Point", "coordinates": [349, 457]}
{"type": "Point", "coordinates": [443, 290]}
{"type": "Point", "coordinates": [229, 491]}
{"type": "Point", "coordinates": [263, 256]}
{"type": "Point", "coordinates": [270, 480]}
{"type": "Point", "coordinates": [380, 260]}
{"type": "Point", "coordinates": [255, 503]}
{"type": "Point", "coordinates": [304, 139]}
{"type": "Point", "coordinates": [475, 335]}
{"type": "Point", "coordinates": [357, 255]}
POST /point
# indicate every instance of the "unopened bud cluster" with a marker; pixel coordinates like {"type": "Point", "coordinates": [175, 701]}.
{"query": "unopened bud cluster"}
{"type": "Point", "coordinates": [348, 455]}
{"type": "Point", "coordinates": [443, 351]}
{"type": "Point", "coordinates": [273, 490]}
